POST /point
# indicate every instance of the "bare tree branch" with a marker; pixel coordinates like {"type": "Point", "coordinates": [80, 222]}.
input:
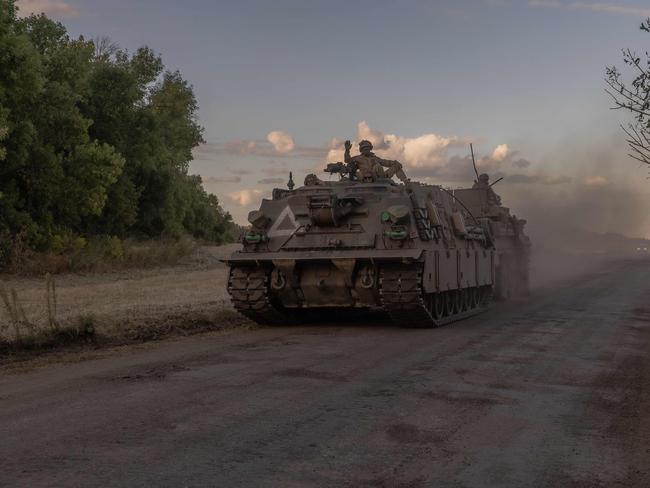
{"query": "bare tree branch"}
{"type": "Point", "coordinates": [639, 142]}
{"type": "Point", "coordinates": [633, 96]}
{"type": "Point", "coordinates": [105, 47]}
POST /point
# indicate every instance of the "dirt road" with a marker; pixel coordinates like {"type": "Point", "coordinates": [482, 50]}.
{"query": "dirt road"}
{"type": "Point", "coordinates": [553, 392]}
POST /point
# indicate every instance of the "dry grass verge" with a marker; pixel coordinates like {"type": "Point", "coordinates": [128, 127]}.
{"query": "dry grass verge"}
{"type": "Point", "coordinates": [46, 340]}
{"type": "Point", "coordinates": [95, 310]}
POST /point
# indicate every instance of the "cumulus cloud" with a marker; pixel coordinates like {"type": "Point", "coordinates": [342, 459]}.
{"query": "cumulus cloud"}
{"type": "Point", "coordinates": [430, 157]}
{"type": "Point", "coordinates": [281, 141]}
{"type": "Point", "coordinates": [426, 150]}
{"type": "Point", "coordinates": [610, 8]}
{"type": "Point", "coordinates": [53, 8]}
{"type": "Point", "coordinates": [245, 197]}
{"type": "Point", "coordinates": [500, 152]}
{"type": "Point", "coordinates": [366, 133]}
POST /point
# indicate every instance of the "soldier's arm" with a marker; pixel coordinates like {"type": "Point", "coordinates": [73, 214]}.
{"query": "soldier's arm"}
{"type": "Point", "coordinates": [346, 156]}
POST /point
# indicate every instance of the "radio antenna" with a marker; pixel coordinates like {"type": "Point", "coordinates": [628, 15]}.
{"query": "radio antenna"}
{"type": "Point", "coordinates": [471, 148]}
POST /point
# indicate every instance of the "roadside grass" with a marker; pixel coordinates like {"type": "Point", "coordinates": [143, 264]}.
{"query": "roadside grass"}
{"type": "Point", "coordinates": [27, 335]}
{"type": "Point", "coordinates": [99, 254]}
{"type": "Point", "coordinates": [21, 338]}
{"type": "Point", "coordinates": [43, 340]}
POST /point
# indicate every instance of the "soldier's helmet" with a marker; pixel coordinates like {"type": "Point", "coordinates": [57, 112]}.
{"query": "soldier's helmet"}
{"type": "Point", "coordinates": [363, 144]}
{"type": "Point", "coordinates": [484, 178]}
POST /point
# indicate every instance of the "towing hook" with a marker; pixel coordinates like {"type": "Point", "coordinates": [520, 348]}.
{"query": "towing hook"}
{"type": "Point", "coordinates": [278, 280]}
{"type": "Point", "coordinates": [367, 279]}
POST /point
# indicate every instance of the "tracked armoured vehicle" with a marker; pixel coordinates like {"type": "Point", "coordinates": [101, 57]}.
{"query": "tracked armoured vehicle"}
{"type": "Point", "coordinates": [420, 253]}
{"type": "Point", "coordinates": [512, 245]}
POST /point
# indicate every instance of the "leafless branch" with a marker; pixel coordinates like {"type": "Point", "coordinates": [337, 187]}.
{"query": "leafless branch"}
{"type": "Point", "coordinates": [105, 47]}
{"type": "Point", "coordinates": [639, 141]}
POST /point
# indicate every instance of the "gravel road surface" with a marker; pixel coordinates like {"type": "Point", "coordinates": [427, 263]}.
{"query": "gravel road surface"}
{"type": "Point", "coordinates": [553, 392]}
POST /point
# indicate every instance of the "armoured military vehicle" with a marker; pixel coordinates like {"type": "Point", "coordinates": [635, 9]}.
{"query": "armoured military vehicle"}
{"type": "Point", "coordinates": [512, 245]}
{"type": "Point", "coordinates": [420, 253]}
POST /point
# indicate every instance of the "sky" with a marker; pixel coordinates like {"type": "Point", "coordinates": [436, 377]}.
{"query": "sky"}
{"type": "Point", "coordinates": [281, 84]}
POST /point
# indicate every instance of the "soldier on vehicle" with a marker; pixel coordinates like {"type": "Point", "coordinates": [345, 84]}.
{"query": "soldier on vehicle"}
{"type": "Point", "coordinates": [370, 166]}
{"type": "Point", "coordinates": [312, 180]}
{"type": "Point", "coordinates": [484, 182]}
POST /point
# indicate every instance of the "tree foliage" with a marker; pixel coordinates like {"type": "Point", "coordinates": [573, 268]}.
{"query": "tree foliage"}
{"type": "Point", "coordinates": [634, 95]}
{"type": "Point", "coordinates": [95, 140]}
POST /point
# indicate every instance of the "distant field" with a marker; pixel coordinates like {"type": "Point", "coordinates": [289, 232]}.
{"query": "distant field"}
{"type": "Point", "coordinates": [192, 290]}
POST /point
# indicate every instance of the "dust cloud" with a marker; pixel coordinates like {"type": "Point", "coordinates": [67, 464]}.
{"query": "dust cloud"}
{"type": "Point", "coordinates": [592, 208]}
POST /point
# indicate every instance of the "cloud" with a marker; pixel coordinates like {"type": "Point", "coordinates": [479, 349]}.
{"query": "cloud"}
{"type": "Point", "coordinates": [245, 197]}
{"type": "Point", "coordinates": [610, 8]}
{"type": "Point", "coordinates": [595, 181]}
{"type": "Point", "coordinates": [459, 169]}
{"type": "Point", "coordinates": [278, 144]}
{"type": "Point", "coordinates": [426, 150]}
{"type": "Point", "coordinates": [281, 141]}
{"type": "Point", "coordinates": [500, 152]}
{"type": "Point", "coordinates": [375, 137]}
{"type": "Point", "coordinates": [221, 179]}
{"type": "Point", "coordinates": [239, 147]}
{"type": "Point", "coordinates": [271, 181]}
{"type": "Point", "coordinates": [429, 156]}
{"type": "Point", "coordinates": [242, 147]}
{"type": "Point", "coordinates": [574, 185]}
{"type": "Point", "coordinates": [274, 168]}
{"type": "Point", "coordinates": [521, 163]}
{"type": "Point", "coordinates": [537, 179]}
{"type": "Point", "coordinates": [53, 8]}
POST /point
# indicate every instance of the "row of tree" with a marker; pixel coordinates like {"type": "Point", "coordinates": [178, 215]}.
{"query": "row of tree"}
{"type": "Point", "coordinates": [95, 141]}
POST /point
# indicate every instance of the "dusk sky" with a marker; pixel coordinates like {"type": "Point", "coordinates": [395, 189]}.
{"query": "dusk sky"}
{"type": "Point", "coordinates": [282, 84]}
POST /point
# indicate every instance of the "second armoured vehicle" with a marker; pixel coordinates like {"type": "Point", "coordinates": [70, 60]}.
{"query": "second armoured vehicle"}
{"type": "Point", "coordinates": [423, 254]}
